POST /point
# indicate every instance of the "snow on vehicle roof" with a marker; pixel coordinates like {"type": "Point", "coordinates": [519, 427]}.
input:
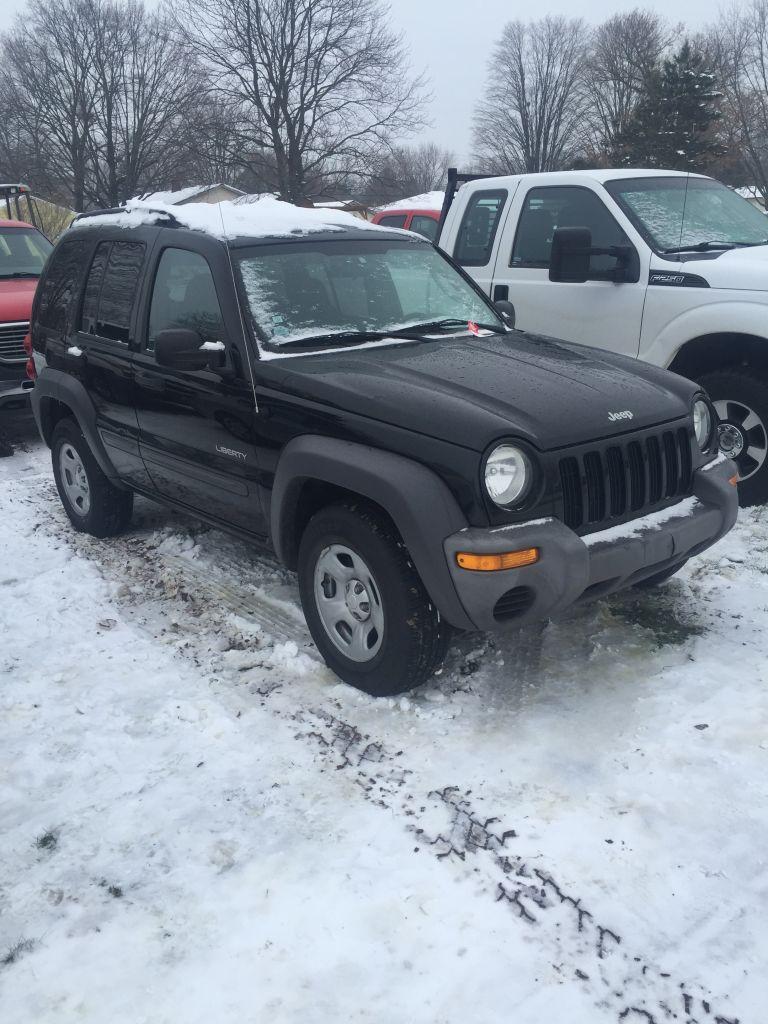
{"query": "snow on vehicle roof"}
{"type": "Point", "coordinates": [426, 201]}
{"type": "Point", "coordinates": [265, 218]}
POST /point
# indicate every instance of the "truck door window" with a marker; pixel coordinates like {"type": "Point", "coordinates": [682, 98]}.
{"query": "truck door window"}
{"type": "Point", "coordinates": [397, 221]}
{"type": "Point", "coordinates": [426, 226]}
{"type": "Point", "coordinates": [477, 230]}
{"type": "Point", "coordinates": [110, 291]}
{"type": "Point", "coordinates": [184, 295]}
{"type": "Point", "coordinates": [546, 209]}
{"type": "Point", "coordinates": [60, 287]}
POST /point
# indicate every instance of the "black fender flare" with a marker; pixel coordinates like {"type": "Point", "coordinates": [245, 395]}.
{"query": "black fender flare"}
{"type": "Point", "coordinates": [62, 387]}
{"type": "Point", "coordinates": [419, 503]}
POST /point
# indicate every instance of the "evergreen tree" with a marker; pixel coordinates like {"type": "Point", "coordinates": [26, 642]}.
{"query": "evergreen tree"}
{"type": "Point", "coordinates": [674, 123]}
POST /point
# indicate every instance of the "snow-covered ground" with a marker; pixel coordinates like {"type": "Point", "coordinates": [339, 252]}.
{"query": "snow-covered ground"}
{"type": "Point", "coordinates": [198, 824]}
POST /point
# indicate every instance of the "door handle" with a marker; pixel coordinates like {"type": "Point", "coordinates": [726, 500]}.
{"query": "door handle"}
{"type": "Point", "coordinates": [500, 291]}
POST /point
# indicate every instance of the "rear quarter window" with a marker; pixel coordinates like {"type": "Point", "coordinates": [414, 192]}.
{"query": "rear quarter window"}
{"type": "Point", "coordinates": [60, 286]}
{"type": "Point", "coordinates": [477, 231]}
{"type": "Point", "coordinates": [110, 293]}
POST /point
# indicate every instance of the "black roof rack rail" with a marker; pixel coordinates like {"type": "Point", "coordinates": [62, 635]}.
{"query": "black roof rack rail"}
{"type": "Point", "coordinates": [169, 219]}
{"type": "Point", "coordinates": [455, 180]}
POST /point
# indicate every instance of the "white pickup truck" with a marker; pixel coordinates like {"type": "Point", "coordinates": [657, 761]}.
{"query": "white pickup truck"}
{"type": "Point", "coordinates": [663, 266]}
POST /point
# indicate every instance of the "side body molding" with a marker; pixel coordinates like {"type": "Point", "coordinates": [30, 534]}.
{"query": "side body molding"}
{"type": "Point", "coordinates": [418, 502]}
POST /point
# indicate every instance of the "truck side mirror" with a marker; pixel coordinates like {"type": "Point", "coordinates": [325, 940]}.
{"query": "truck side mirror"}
{"type": "Point", "coordinates": [506, 310]}
{"type": "Point", "coordinates": [571, 251]}
{"type": "Point", "coordinates": [181, 349]}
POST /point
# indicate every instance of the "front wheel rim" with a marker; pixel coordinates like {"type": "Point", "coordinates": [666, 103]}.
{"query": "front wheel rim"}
{"type": "Point", "coordinates": [74, 479]}
{"type": "Point", "coordinates": [742, 436]}
{"type": "Point", "coordinates": [348, 602]}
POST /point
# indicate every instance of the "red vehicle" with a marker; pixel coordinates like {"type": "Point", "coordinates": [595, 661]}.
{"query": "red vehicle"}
{"type": "Point", "coordinates": [23, 252]}
{"type": "Point", "coordinates": [420, 214]}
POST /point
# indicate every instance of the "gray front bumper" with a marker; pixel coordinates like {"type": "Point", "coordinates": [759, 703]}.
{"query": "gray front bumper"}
{"type": "Point", "coordinates": [14, 394]}
{"type": "Point", "coordinates": [573, 568]}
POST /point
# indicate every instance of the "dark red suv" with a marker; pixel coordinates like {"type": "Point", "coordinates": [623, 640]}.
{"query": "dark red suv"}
{"type": "Point", "coordinates": [23, 252]}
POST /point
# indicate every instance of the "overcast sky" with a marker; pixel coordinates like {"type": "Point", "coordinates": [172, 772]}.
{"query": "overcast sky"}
{"type": "Point", "coordinates": [451, 40]}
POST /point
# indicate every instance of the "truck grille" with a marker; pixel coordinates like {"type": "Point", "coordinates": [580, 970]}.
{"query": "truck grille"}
{"type": "Point", "coordinates": [626, 479]}
{"type": "Point", "coordinates": [12, 342]}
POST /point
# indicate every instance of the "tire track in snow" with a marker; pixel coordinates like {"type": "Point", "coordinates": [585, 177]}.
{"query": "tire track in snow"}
{"type": "Point", "coordinates": [445, 823]}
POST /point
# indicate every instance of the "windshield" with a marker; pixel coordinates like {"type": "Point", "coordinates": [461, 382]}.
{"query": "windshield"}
{"type": "Point", "coordinates": [23, 251]}
{"type": "Point", "coordinates": [320, 293]}
{"type": "Point", "coordinates": [674, 213]}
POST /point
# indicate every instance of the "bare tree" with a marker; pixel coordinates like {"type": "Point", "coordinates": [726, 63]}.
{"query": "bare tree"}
{"type": "Point", "coordinates": [739, 42]}
{"type": "Point", "coordinates": [623, 54]}
{"type": "Point", "coordinates": [408, 171]}
{"type": "Point", "coordinates": [46, 69]}
{"type": "Point", "coordinates": [319, 84]}
{"type": "Point", "coordinates": [147, 92]}
{"type": "Point", "coordinates": [532, 114]}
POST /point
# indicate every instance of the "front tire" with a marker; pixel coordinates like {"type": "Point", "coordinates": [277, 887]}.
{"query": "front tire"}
{"type": "Point", "coordinates": [94, 505]}
{"type": "Point", "coordinates": [741, 400]}
{"type": "Point", "coordinates": [365, 604]}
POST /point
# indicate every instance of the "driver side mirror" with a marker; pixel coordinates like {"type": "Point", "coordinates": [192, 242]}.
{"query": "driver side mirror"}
{"type": "Point", "coordinates": [571, 252]}
{"type": "Point", "coordinates": [180, 348]}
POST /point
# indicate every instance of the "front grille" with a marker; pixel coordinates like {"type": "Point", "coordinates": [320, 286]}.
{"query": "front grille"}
{"type": "Point", "coordinates": [625, 479]}
{"type": "Point", "coordinates": [12, 342]}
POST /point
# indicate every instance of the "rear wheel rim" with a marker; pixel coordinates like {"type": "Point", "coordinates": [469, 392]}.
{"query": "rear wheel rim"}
{"type": "Point", "coordinates": [743, 436]}
{"type": "Point", "coordinates": [74, 479]}
{"type": "Point", "coordinates": [348, 601]}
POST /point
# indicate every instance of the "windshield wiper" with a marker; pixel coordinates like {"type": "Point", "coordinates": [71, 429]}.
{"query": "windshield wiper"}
{"type": "Point", "coordinates": [20, 273]}
{"type": "Point", "coordinates": [413, 332]}
{"type": "Point", "coordinates": [449, 321]}
{"type": "Point", "coordinates": [713, 246]}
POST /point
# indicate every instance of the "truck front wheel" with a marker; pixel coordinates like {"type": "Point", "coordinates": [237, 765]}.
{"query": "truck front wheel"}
{"type": "Point", "coordinates": [741, 400]}
{"type": "Point", "coordinates": [365, 604]}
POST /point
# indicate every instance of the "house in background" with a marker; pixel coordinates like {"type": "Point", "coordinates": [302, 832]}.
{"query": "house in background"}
{"type": "Point", "coordinates": [346, 205]}
{"type": "Point", "coordinates": [217, 193]}
{"type": "Point", "coordinates": [753, 195]}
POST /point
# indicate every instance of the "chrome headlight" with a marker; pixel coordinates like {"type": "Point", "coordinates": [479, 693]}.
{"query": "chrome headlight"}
{"type": "Point", "coordinates": [508, 475]}
{"type": "Point", "coordinates": [702, 423]}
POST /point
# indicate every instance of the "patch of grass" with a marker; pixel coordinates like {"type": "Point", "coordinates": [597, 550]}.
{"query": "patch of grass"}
{"type": "Point", "coordinates": [16, 952]}
{"type": "Point", "coordinates": [47, 841]}
{"type": "Point", "coordinates": [661, 615]}
{"type": "Point", "coordinates": [114, 890]}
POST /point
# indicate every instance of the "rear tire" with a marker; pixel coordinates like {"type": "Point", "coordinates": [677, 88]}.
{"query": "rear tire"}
{"type": "Point", "coordinates": [365, 604]}
{"type": "Point", "coordinates": [94, 505]}
{"type": "Point", "coordinates": [741, 399]}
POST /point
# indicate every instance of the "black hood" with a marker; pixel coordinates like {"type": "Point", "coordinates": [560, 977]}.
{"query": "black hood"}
{"type": "Point", "coordinates": [472, 391]}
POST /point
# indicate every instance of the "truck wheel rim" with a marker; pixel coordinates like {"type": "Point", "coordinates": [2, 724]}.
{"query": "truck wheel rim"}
{"type": "Point", "coordinates": [75, 479]}
{"type": "Point", "coordinates": [348, 601]}
{"type": "Point", "coordinates": [742, 436]}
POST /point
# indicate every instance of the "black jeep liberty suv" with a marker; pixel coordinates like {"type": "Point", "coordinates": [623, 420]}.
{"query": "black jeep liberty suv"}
{"type": "Point", "coordinates": [348, 394]}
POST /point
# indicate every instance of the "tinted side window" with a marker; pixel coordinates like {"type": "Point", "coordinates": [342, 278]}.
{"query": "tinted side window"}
{"type": "Point", "coordinates": [118, 290]}
{"type": "Point", "coordinates": [546, 209]}
{"type": "Point", "coordinates": [426, 226]}
{"type": "Point", "coordinates": [397, 221]}
{"type": "Point", "coordinates": [184, 295]}
{"type": "Point", "coordinates": [90, 309]}
{"type": "Point", "coordinates": [61, 286]}
{"type": "Point", "coordinates": [477, 231]}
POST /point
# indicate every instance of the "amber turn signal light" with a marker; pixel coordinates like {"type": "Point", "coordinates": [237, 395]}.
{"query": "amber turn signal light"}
{"type": "Point", "coordinates": [733, 481]}
{"type": "Point", "coordinates": [492, 563]}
